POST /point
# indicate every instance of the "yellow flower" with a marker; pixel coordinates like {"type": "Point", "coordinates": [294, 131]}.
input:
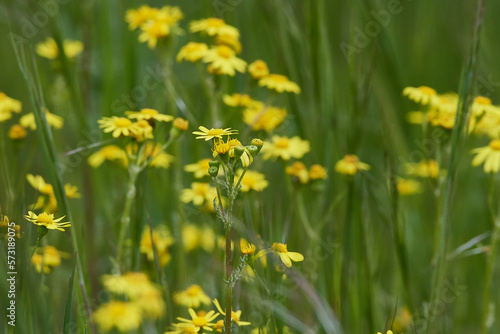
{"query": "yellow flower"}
{"type": "Point", "coordinates": [153, 151]}
{"type": "Point", "coordinates": [286, 256]}
{"type": "Point", "coordinates": [109, 152]}
{"type": "Point", "coordinates": [191, 237]}
{"type": "Point", "coordinates": [192, 52]}
{"type": "Point", "coordinates": [48, 48]}
{"type": "Point", "coordinates": [428, 168]}
{"type": "Point", "coordinates": [251, 180]}
{"type": "Point", "coordinates": [408, 187]}
{"type": "Point", "coordinates": [246, 247]}
{"type": "Point", "coordinates": [223, 60]}
{"type": "Point", "coordinates": [151, 303]}
{"type": "Point", "coordinates": [123, 316]}
{"type": "Point", "coordinates": [481, 105]}
{"type": "Point", "coordinates": [423, 94]}
{"type": "Point", "coordinates": [170, 15]}
{"type": "Point", "coordinates": [264, 118]}
{"type": "Point", "coordinates": [489, 155]}
{"type": "Point", "coordinates": [28, 120]}
{"type": "Point", "coordinates": [153, 30]}
{"type": "Point", "coordinates": [388, 332]}
{"type": "Point", "coordinates": [71, 191]}
{"type": "Point", "coordinates": [161, 240]}
{"type": "Point", "coordinates": [132, 284]}
{"type": "Point", "coordinates": [350, 165]}
{"type": "Point", "coordinates": [443, 118]}
{"type": "Point", "coordinates": [317, 172]}
{"type": "Point", "coordinates": [214, 26]}
{"type": "Point", "coordinates": [16, 131]}
{"type": "Point", "coordinates": [136, 17]}
{"type": "Point", "coordinates": [8, 105]}
{"type": "Point", "coordinates": [118, 125]}
{"type": "Point", "coordinates": [200, 321]}
{"type": "Point", "coordinates": [193, 296]}
{"type": "Point", "coordinates": [235, 316]}
{"type": "Point", "coordinates": [258, 69]}
{"type": "Point", "coordinates": [180, 124]}
{"type": "Point", "coordinates": [183, 329]}
{"type": "Point", "coordinates": [142, 130]}
{"type": "Point", "coordinates": [198, 194]}
{"type": "Point", "coordinates": [279, 83]}
{"type": "Point", "coordinates": [5, 228]}
{"type": "Point", "coordinates": [200, 168]}
{"type": "Point", "coordinates": [285, 148]}
{"type": "Point", "coordinates": [487, 122]}
{"type": "Point", "coordinates": [47, 220]}
{"type": "Point", "coordinates": [241, 100]}
{"type": "Point", "coordinates": [229, 40]}
{"type": "Point", "coordinates": [299, 170]}
{"type": "Point", "coordinates": [207, 134]}
{"type": "Point", "coordinates": [37, 182]}
{"type": "Point", "coordinates": [48, 259]}
{"type": "Point", "coordinates": [148, 114]}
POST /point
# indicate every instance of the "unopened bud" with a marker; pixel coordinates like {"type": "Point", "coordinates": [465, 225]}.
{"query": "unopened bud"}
{"type": "Point", "coordinates": [213, 171]}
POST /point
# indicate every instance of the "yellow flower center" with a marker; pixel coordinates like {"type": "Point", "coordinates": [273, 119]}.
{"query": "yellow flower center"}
{"type": "Point", "coordinates": [282, 143]}
{"type": "Point", "coordinates": [224, 51]}
{"type": "Point", "coordinates": [215, 22]}
{"type": "Point", "coordinates": [123, 122]}
{"type": "Point", "coordinates": [180, 124]}
{"type": "Point", "coordinates": [200, 321]}
{"type": "Point", "coordinates": [221, 147]}
{"type": "Point", "coordinates": [149, 111]}
{"type": "Point", "coordinates": [193, 290]}
{"type": "Point", "coordinates": [495, 144]}
{"type": "Point", "coordinates": [143, 124]}
{"type": "Point", "coordinates": [280, 247]}
{"type": "Point", "coordinates": [427, 90]}
{"type": "Point", "coordinates": [200, 189]}
{"type": "Point", "coordinates": [45, 218]}
{"type": "Point", "coordinates": [215, 132]}
{"type": "Point", "coordinates": [188, 330]}
{"type": "Point", "coordinates": [235, 316]}
{"type": "Point", "coordinates": [352, 159]}
{"type": "Point", "coordinates": [278, 77]}
{"type": "Point", "coordinates": [482, 100]}
{"type": "Point", "coordinates": [117, 311]}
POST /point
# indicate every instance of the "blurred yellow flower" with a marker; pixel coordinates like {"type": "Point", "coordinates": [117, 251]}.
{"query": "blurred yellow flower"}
{"type": "Point", "coordinates": [415, 117]}
{"type": "Point", "coordinates": [8, 105]}
{"type": "Point", "coordinates": [246, 247]}
{"type": "Point", "coordinates": [151, 303]}
{"type": "Point", "coordinates": [47, 220]}
{"type": "Point", "coordinates": [123, 316]}
{"type": "Point", "coordinates": [161, 240]}
{"type": "Point", "coordinates": [198, 194]}
{"type": "Point", "coordinates": [131, 284]}
{"type": "Point", "coordinates": [241, 100]}
{"type": "Point", "coordinates": [229, 40]}
{"type": "Point", "coordinates": [48, 48]}
{"type": "Point", "coordinates": [408, 187]}
{"type": "Point", "coordinates": [28, 120]}
{"type": "Point", "coordinates": [258, 69]}
{"type": "Point", "coordinates": [109, 152]}
{"type": "Point", "coordinates": [423, 94]}
{"type": "Point", "coordinates": [317, 172]}
{"type": "Point", "coordinates": [223, 60]}
{"type": "Point", "coordinates": [154, 23]}
{"type": "Point", "coordinates": [286, 256]}
{"type": "Point", "coordinates": [235, 316]}
{"type": "Point", "coordinates": [16, 131]}
{"type": "Point", "coordinates": [47, 257]}
{"type": "Point", "coordinates": [285, 148]}
{"type": "Point", "coordinates": [214, 26]}
{"type": "Point", "coordinates": [183, 329]}
{"type": "Point", "coordinates": [142, 131]}
{"type": "Point", "coordinates": [150, 150]}
{"type": "Point", "coordinates": [207, 134]}
{"type": "Point", "coordinates": [299, 170]}
{"type": "Point", "coordinates": [264, 117]}
{"type": "Point", "coordinates": [148, 114]}
{"type": "Point", "coordinates": [180, 124]}
{"type": "Point", "coordinates": [136, 17]}
{"type": "Point", "coordinates": [426, 168]}
{"type": "Point", "coordinates": [153, 30]}
{"type": "Point", "coordinates": [279, 83]}
{"type": "Point", "coordinates": [489, 155]}
{"type": "Point", "coordinates": [37, 182]}
{"type": "Point", "coordinates": [200, 168]}
{"type": "Point", "coordinates": [251, 180]}
{"type": "Point", "coordinates": [192, 52]}
{"type": "Point", "coordinates": [350, 165]}
{"type": "Point", "coordinates": [193, 296]}
{"type": "Point", "coordinates": [194, 237]}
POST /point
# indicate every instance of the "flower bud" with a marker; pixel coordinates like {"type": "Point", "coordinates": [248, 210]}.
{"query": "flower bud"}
{"type": "Point", "coordinates": [253, 149]}
{"type": "Point", "coordinates": [213, 171]}
{"type": "Point", "coordinates": [238, 151]}
{"type": "Point", "coordinates": [257, 142]}
{"type": "Point", "coordinates": [214, 163]}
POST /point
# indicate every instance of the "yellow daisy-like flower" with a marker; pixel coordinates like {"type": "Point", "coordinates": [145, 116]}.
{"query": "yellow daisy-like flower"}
{"type": "Point", "coordinates": [170, 15]}
{"type": "Point", "coordinates": [207, 134]}
{"type": "Point", "coordinates": [229, 40]}
{"type": "Point", "coordinates": [198, 194]}
{"type": "Point", "coordinates": [8, 105]}
{"type": "Point", "coordinates": [16, 131]}
{"type": "Point", "coordinates": [180, 124]}
{"type": "Point", "coordinates": [235, 316]}
{"type": "Point", "coordinates": [246, 247]}
{"type": "Point", "coordinates": [279, 83]}
{"type": "Point", "coordinates": [299, 170]}
{"type": "Point", "coordinates": [258, 69]}
{"type": "Point", "coordinates": [48, 48]}
{"type": "Point", "coordinates": [71, 191]}
{"type": "Point", "coordinates": [251, 180]}
{"type": "Point", "coordinates": [37, 182]}
{"type": "Point", "coordinates": [192, 52]}
{"type": "Point", "coordinates": [266, 118]}
{"type": "Point", "coordinates": [442, 118]}
{"type": "Point", "coordinates": [214, 26]}
{"type": "Point", "coordinates": [47, 220]}
{"type": "Point", "coordinates": [408, 187]}
{"type": "Point", "coordinates": [28, 120]}
{"type": "Point", "coordinates": [481, 104]}
{"type": "Point", "coordinates": [132, 284]}
{"type": "Point", "coordinates": [350, 165]}
{"type": "Point", "coordinates": [285, 148]}
{"type": "Point", "coordinates": [48, 259]}
{"type": "Point", "coordinates": [286, 256]}
{"type": "Point", "coordinates": [117, 125]}
{"type": "Point", "coordinates": [489, 155]}
{"type": "Point", "coordinates": [423, 94]}
{"type": "Point", "coordinates": [109, 152]}
{"type": "Point", "coordinates": [317, 172]}
{"type": "Point", "coordinates": [223, 60]}
{"type": "Point", "coordinates": [193, 296]}
{"type": "Point", "coordinates": [152, 31]}
{"type": "Point", "coordinates": [148, 114]}
{"type": "Point", "coordinates": [427, 168]}
{"type": "Point", "coordinates": [151, 304]}
{"type": "Point", "coordinates": [200, 321]}
{"type": "Point", "coordinates": [161, 241]}
{"type": "Point", "coordinates": [123, 316]}
{"type": "Point", "coordinates": [200, 168]}
{"type": "Point", "coordinates": [136, 17]}
{"type": "Point", "coordinates": [241, 100]}
{"type": "Point", "coordinates": [153, 151]}
{"type": "Point", "coordinates": [142, 131]}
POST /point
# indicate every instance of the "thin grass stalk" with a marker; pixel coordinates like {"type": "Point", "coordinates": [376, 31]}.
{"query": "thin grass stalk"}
{"type": "Point", "coordinates": [465, 100]}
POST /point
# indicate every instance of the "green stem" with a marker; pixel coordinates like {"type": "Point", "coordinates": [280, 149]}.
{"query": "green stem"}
{"type": "Point", "coordinates": [303, 216]}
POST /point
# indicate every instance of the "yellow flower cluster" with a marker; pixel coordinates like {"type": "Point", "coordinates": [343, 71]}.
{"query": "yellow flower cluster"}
{"type": "Point", "coordinates": [8, 106]}
{"type": "Point", "coordinates": [285, 148]}
{"type": "Point", "coordinates": [47, 199]}
{"type": "Point", "coordinates": [251, 180]}
{"type": "Point", "coordinates": [48, 48]}
{"type": "Point", "coordinates": [47, 258]}
{"type": "Point", "coordinates": [194, 237]}
{"type": "Point", "coordinates": [350, 165]}
{"type": "Point", "coordinates": [161, 239]}
{"type": "Point", "coordinates": [299, 171]}
{"type": "Point", "coordinates": [155, 23]}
